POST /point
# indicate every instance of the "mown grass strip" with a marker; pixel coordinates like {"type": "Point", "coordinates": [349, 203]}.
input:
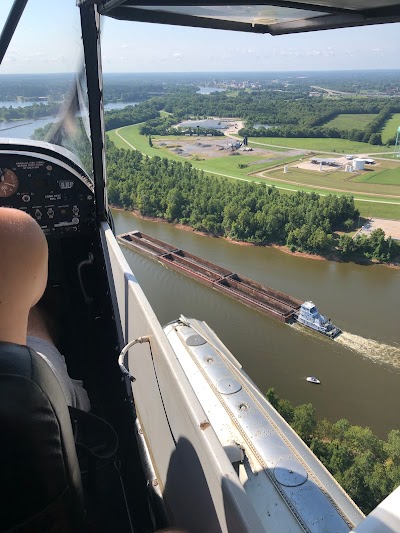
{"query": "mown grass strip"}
{"type": "Point", "coordinates": [341, 146]}
{"type": "Point", "coordinates": [347, 121]}
{"type": "Point", "coordinates": [390, 129]}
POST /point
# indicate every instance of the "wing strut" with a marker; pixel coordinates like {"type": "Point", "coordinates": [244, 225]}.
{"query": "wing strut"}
{"type": "Point", "coordinates": [10, 26]}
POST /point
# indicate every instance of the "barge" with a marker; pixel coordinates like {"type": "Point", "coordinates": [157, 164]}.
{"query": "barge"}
{"type": "Point", "coordinates": [255, 295]}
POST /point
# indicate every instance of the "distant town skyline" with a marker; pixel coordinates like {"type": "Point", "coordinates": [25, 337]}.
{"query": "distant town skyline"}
{"type": "Point", "coordinates": [48, 40]}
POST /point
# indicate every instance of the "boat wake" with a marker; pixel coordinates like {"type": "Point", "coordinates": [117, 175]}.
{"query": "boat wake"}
{"type": "Point", "coordinates": [371, 349]}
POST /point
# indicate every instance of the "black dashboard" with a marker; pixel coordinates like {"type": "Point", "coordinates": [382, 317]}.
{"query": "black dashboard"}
{"type": "Point", "coordinates": [49, 184]}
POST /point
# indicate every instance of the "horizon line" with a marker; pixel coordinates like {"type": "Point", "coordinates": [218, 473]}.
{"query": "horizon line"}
{"type": "Point", "coordinates": [207, 72]}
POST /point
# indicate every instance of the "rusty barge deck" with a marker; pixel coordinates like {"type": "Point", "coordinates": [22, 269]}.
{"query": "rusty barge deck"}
{"type": "Point", "coordinates": [253, 294]}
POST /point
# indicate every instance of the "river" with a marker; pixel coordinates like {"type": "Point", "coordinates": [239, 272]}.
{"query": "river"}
{"type": "Point", "coordinates": [359, 373]}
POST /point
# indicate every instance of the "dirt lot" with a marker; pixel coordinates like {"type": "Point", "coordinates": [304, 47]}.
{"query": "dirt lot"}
{"type": "Point", "coordinates": [390, 227]}
{"type": "Point", "coordinates": [210, 147]}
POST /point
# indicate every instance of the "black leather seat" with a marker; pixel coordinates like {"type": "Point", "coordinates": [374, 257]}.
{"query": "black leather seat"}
{"type": "Point", "coordinates": [41, 485]}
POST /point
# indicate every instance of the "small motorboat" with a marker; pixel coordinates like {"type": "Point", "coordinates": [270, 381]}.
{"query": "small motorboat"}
{"type": "Point", "coordinates": [312, 379]}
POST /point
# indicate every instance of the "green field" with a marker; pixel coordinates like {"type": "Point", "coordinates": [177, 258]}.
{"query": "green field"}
{"type": "Point", "coordinates": [385, 181]}
{"type": "Point", "coordinates": [380, 181]}
{"type": "Point", "coordinates": [390, 129]}
{"type": "Point", "coordinates": [219, 165]}
{"type": "Point", "coordinates": [388, 211]}
{"type": "Point", "coordinates": [388, 174]}
{"type": "Point", "coordinates": [351, 121]}
{"type": "Point", "coordinates": [341, 146]}
{"type": "Point", "coordinates": [229, 165]}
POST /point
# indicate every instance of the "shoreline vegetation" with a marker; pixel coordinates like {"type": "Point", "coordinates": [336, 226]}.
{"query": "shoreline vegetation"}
{"type": "Point", "coordinates": [365, 466]}
{"type": "Point", "coordinates": [281, 248]}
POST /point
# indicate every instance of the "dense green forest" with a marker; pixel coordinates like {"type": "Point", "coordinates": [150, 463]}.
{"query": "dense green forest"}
{"type": "Point", "coordinates": [313, 127]}
{"type": "Point", "coordinates": [241, 211]}
{"type": "Point", "coordinates": [33, 111]}
{"type": "Point", "coordinates": [280, 114]}
{"type": "Point", "coordinates": [131, 115]}
{"type": "Point", "coordinates": [164, 126]}
{"type": "Point", "coordinates": [366, 467]}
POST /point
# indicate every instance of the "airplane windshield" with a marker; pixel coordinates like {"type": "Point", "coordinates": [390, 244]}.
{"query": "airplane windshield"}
{"type": "Point", "coordinates": [43, 94]}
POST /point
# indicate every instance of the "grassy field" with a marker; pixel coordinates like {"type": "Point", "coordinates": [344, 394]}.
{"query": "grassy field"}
{"type": "Point", "coordinates": [382, 179]}
{"type": "Point", "coordinates": [390, 129]}
{"type": "Point", "coordinates": [388, 211]}
{"type": "Point", "coordinates": [341, 146]}
{"type": "Point", "coordinates": [387, 174]}
{"type": "Point", "coordinates": [350, 121]}
{"type": "Point", "coordinates": [222, 165]}
{"type": "Point", "coordinates": [229, 165]}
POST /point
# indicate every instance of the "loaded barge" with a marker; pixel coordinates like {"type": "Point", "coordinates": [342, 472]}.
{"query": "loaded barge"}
{"type": "Point", "coordinates": [253, 294]}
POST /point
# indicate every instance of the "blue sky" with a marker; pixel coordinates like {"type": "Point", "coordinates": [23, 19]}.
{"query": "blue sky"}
{"type": "Point", "coordinates": [48, 41]}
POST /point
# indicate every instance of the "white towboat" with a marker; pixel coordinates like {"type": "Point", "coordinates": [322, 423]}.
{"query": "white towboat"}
{"type": "Point", "coordinates": [309, 316]}
{"type": "Point", "coordinates": [312, 379]}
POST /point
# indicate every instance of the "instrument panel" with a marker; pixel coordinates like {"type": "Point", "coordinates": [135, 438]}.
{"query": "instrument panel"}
{"type": "Point", "coordinates": [46, 182]}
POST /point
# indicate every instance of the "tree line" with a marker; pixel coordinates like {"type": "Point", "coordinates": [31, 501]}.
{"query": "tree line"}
{"type": "Point", "coordinates": [164, 125]}
{"type": "Point", "coordinates": [33, 111]}
{"type": "Point", "coordinates": [367, 467]}
{"type": "Point", "coordinates": [375, 246]}
{"type": "Point", "coordinates": [242, 211]}
{"type": "Point", "coordinates": [314, 127]}
{"type": "Point", "coordinates": [117, 118]}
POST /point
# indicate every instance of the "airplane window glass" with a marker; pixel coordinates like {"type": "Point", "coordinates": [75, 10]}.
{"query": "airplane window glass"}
{"type": "Point", "coordinates": [42, 92]}
{"type": "Point", "coordinates": [222, 113]}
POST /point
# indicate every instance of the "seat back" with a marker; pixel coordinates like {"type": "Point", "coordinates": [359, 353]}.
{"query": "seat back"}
{"type": "Point", "coordinates": [40, 476]}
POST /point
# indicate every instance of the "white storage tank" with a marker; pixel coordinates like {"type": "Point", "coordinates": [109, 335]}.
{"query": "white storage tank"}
{"type": "Point", "coordinates": [358, 164]}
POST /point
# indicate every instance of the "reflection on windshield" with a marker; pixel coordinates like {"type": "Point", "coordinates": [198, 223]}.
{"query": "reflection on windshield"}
{"type": "Point", "coordinates": [71, 130]}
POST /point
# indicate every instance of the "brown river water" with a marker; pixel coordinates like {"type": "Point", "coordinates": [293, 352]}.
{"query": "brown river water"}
{"type": "Point", "coordinates": [359, 372]}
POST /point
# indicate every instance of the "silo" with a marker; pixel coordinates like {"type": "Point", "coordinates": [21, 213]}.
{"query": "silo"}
{"type": "Point", "coordinates": [358, 164]}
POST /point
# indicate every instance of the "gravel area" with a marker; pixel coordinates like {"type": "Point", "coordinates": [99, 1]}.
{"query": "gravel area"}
{"type": "Point", "coordinates": [390, 227]}
{"type": "Point", "coordinates": [210, 147]}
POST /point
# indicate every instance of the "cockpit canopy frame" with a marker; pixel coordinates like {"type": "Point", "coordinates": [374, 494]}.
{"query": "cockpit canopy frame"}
{"type": "Point", "coordinates": [276, 17]}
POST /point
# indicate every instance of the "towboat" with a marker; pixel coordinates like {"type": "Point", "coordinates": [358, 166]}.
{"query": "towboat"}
{"type": "Point", "coordinates": [313, 379]}
{"type": "Point", "coordinates": [309, 316]}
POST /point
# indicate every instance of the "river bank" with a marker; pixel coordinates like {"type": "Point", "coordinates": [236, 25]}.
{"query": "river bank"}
{"type": "Point", "coordinates": [285, 249]}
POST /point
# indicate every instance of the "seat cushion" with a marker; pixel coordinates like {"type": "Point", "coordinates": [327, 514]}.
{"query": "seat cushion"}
{"type": "Point", "coordinates": [38, 461]}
